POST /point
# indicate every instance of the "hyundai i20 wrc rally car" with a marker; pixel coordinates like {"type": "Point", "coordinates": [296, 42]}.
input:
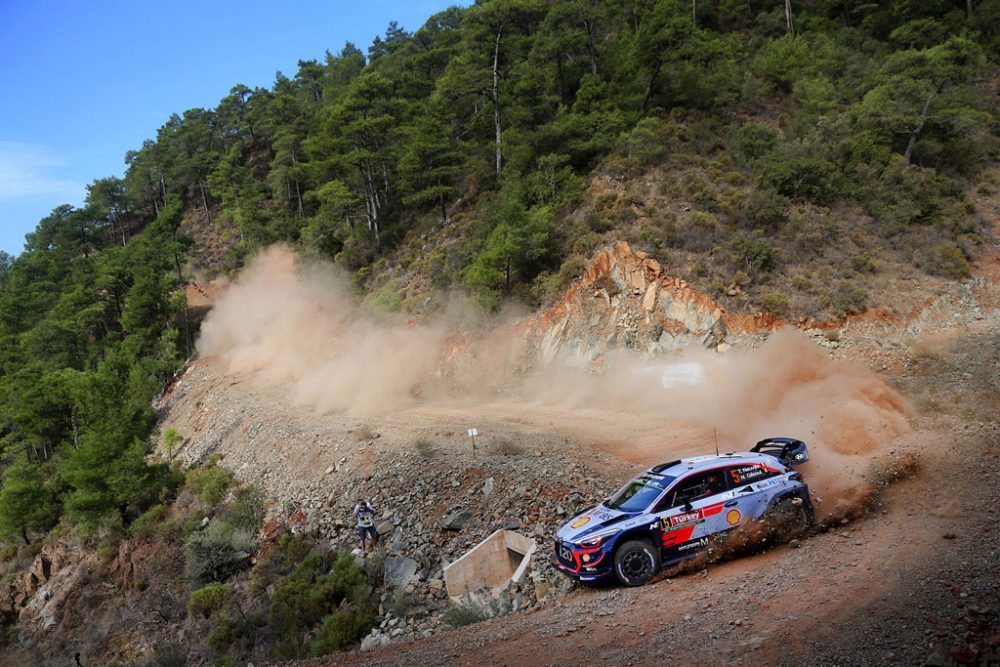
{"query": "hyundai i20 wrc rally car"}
{"type": "Point", "coordinates": [674, 511]}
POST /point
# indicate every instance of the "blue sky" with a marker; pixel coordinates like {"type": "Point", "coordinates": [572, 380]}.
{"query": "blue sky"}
{"type": "Point", "coordinates": [84, 82]}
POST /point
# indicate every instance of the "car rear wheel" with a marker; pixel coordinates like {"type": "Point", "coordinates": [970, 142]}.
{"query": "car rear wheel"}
{"type": "Point", "coordinates": [636, 562]}
{"type": "Point", "coordinates": [789, 518]}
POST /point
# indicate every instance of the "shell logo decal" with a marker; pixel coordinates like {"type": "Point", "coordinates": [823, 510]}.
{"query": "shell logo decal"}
{"type": "Point", "coordinates": [582, 521]}
{"type": "Point", "coordinates": [733, 517]}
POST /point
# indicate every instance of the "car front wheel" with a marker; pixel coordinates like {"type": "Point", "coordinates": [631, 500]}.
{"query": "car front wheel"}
{"type": "Point", "coordinates": [636, 562]}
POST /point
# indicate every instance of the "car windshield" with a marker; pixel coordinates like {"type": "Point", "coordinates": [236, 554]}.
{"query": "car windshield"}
{"type": "Point", "coordinates": [638, 494]}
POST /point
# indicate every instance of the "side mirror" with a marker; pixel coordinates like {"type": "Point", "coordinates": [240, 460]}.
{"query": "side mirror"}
{"type": "Point", "coordinates": [687, 506]}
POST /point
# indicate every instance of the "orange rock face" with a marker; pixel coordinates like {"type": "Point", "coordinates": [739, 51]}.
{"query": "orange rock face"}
{"type": "Point", "coordinates": [626, 300]}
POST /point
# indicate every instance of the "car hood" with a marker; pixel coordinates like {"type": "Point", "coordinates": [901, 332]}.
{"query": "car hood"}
{"type": "Point", "coordinates": [593, 520]}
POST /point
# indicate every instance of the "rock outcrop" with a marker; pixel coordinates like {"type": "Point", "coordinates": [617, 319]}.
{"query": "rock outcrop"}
{"type": "Point", "coordinates": [626, 300]}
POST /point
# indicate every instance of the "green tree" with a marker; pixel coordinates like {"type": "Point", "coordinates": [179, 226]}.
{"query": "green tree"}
{"type": "Point", "coordinates": [919, 91]}
{"type": "Point", "coordinates": [27, 501]}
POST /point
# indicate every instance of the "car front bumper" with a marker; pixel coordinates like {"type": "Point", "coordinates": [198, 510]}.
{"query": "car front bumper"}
{"type": "Point", "coordinates": [583, 564]}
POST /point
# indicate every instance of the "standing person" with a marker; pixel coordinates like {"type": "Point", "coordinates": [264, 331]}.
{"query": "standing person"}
{"type": "Point", "coordinates": [364, 512]}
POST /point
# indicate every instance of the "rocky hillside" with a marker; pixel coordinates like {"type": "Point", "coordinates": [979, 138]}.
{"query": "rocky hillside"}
{"type": "Point", "coordinates": [439, 493]}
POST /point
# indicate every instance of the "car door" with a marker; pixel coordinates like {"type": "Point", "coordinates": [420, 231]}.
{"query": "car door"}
{"type": "Point", "coordinates": [690, 512]}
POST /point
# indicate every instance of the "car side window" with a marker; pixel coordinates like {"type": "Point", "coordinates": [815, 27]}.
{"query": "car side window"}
{"type": "Point", "coordinates": [695, 487]}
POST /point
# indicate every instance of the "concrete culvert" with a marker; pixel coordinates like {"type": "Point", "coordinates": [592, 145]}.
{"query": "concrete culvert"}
{"type": "Point", "coordinates": [501, 558]}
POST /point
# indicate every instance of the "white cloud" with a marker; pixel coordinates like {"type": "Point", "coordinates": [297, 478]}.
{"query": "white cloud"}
{"type": "Point", "coordinates": [32, 170]}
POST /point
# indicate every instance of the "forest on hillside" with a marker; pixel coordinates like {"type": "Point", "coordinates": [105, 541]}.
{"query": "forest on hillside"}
{"type": "Point", "coordinates": [464, 152]}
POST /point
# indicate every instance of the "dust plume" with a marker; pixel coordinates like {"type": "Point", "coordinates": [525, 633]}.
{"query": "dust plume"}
{"type": "Point", "coordinates": [298, 327]}
{"type": "Point", "coordinates": [848, 415]}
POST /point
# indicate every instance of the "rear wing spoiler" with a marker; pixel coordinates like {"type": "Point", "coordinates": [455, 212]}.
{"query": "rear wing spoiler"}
{"type": "Point", "coordinates": [789, 451]}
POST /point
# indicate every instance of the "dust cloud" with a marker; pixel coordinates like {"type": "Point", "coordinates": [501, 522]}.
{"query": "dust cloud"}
{"type": "Point", "coordinates": [297, 326]}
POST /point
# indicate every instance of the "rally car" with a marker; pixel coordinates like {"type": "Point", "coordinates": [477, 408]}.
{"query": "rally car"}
{"type": "Point", "coordinates": [677, 510]}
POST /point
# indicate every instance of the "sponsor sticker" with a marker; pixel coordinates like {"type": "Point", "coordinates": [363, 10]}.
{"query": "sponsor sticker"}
{"type": "Point", "coordinates": [733, 517]}
{"type": "Point", "coordinates": [582, 521]}
{"type": "Point", "coordinates": [687, 517]}
{"type": "Point", "coordinates": [747, 473]}
{"type": "Point", "coordinates": [692, 545]}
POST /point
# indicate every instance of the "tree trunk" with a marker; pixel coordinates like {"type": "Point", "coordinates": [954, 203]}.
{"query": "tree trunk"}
{"type": "Point", "coordinates": [496, 98]}
{"type": "Point", "coordinates": [591, 49]}
{"type": "Point", "coordinates": [559, 79]}
{"type": "Point", "coordinates": [969, 9]}
{"type": "Point", "coordinates": [204, 201]}
{"type": "Point", "coordinates": [915, 132]}
{"type": "Point", "coordinates": [187, 321]}
{"type": "Point", "coordinates": [298, 190]}
{"type": "Point", "coordinates": [789, 19]}
{"type": "Point", "coordinates": [649, 86]}
{"type": "Point", "coordinates": [694, 13]}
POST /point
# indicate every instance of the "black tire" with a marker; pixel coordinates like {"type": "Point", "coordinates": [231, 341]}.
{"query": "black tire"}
{"type": "Point", "coordinates": [636, 561]}
{"type": "Point", "coordinates": [788, 519]}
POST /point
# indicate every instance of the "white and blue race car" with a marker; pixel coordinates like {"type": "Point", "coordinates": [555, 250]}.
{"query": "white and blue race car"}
{"type": "Point", "coordinates": [674, 511]}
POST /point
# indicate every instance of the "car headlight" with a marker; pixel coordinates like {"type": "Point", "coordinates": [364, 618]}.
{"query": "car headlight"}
{"type": "Point", "coordinates": [596, 540]}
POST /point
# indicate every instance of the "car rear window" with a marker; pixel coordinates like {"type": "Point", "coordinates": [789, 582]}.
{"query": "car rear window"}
{"type": "Point", "coordinates": [638, 494]}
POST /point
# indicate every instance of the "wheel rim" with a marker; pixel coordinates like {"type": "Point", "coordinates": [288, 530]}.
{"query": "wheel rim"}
{"type": "Point", "coordinates": [637, 565]}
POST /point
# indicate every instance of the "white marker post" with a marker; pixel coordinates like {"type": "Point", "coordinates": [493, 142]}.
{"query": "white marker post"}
{"type": "Point", "coordinates": [472, 434]}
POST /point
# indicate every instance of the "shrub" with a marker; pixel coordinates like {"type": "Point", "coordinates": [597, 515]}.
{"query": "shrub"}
{"type": "Point", "coordinates": [207, 600]}
{"type": "Point", "coordinates": [169, 655]}
{"type": "Point", "coordinates": [474, 610]}
{"type": "Point", "coordinates": [294, 548]}
{"type": "Point", "coordinates": [864, 262]}
{"type": "Point", "coordinates": [426, 448]}
{"type": "Point", "coordinates": [798, 176]}
{"type": "Point", "coordinates": [341, 629]}
{"type": "Point", "coordinates": [643, 144]}
{"type": "Point", "coordinates": [149, 523]}
{"type": "Point", "coordinates": [767, 208]}
{"type": "Point", "coordinates": [753, 253]}
{"type": "Point", "coordinates": [755, 140]}
{"type": "Point", "coordinates": [571, 269]}
{"type": "Point", "coordinates": [247, 512]}
{"type": "Point", "coordinates": [401, 602]}
{"type": "Point", "coordinates": [388, 298]}
{"type": "Point", "coordinates": [847, 298]}
{"type": "Point", "coordinates": [948, 261]}
{"type": "Point", "coordinates": [341, 599]}
{"type": "Point", "coordinates": [171, 438]}
{"type": "Point", "coordinates": [209, 481]}
{"type": "Point", "coordinates": [460, 615]}
{"type": "Point", "coordinates": [505, 447]}
{"type": "Point", "coordinates": [239, 630]}
{"type": "Point", "coordinates": [364, 432]}
{"type": "Point", "coordinates": [217, 552]}
{"type": "Point", "coordinates": [775, 304]}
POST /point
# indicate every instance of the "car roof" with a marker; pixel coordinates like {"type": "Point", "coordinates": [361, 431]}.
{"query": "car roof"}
{"type": "Point", "coordinates": [683, 466]}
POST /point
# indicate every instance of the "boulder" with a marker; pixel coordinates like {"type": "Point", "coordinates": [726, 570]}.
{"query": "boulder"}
{"type": "Point", "coordinates": [456, 520]}
{"type": "Point", "coordinates": [399, 569]}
